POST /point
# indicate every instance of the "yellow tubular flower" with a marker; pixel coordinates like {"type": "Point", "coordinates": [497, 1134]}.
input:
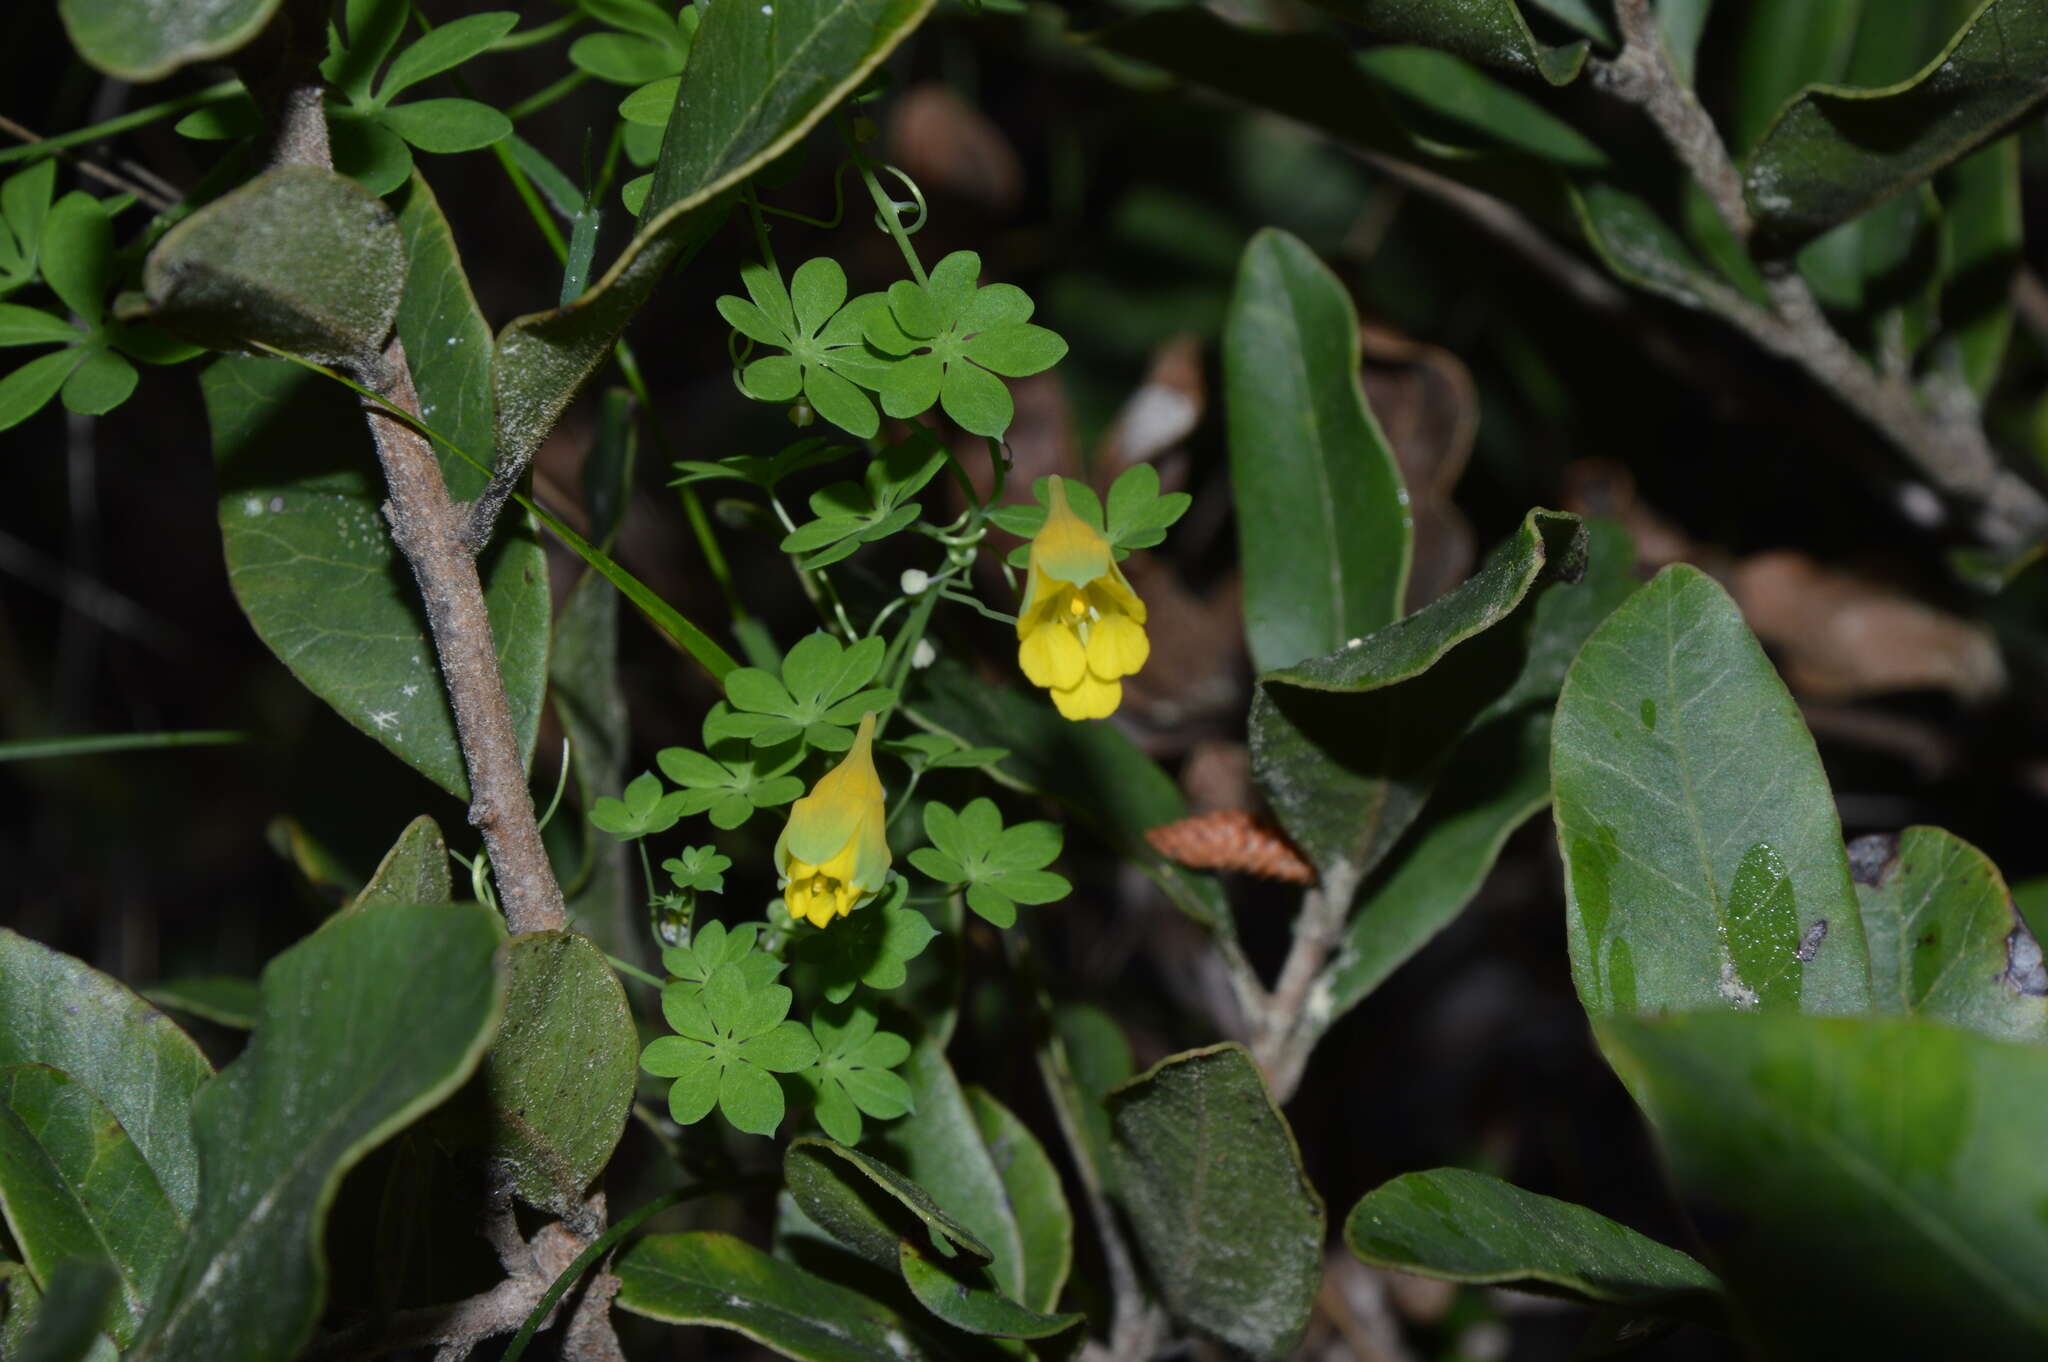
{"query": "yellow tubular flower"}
{"type": "Point", "coordinates": [1081, 627]}
{"type": "Point", "coordinates": [833, 854]}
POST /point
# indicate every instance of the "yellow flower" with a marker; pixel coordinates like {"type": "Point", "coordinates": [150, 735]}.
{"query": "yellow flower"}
{"type": "Point", "coordinates": [1081, 626]}
{"type": "Point", "coordinates": [833, 854]}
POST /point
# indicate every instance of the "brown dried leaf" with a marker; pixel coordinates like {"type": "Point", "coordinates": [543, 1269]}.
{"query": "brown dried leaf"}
{"type": "Point", "coordinates": [947, 146]}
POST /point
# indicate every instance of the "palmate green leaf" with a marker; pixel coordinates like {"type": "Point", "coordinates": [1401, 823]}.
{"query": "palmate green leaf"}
{"type": "Point", "coordinates": [33, 326]}
{"type": "Point", "coordinates": [1235, 1244]}
{"type": "Point", "coordinates": [1462, 1226]}
{"type": "Point", "coordinates": [1490, 32]}
{"type": "Point", "coordinates": [708, 1278]}
{"type": "Point", "coordinates": [1093, 770]}
{"type": "Point", "coordinates": [1045, 1223]}
{"type": "Point", "coordinates": [758, 84]}
{"type": "Point", "coordinates": [368, 152]}
{"type": "Point", "coordinates": [1348, 745]}
{"type": "Point", "coordinates": [299, 258]}
{"type": "Point", "coordinates": [1836, 150]}
{"type": "Point", "coordinates": [447, 125]}
{"type": "Point", "coordinates": [1877, 1180]}
{"type": "Point", "coordinates": [1945, 940]}
{"type": "Point", "coordinates": [1703, 859]}
{"type": "Point", "coordinates": [55, 1010]}
{"type": "Point", "coordinates": [78, 254]}
{"type": "Point", "coordinates": [1497, 779]}
{"type": "Point", "coordinates": [308, 553]}
{"type": "Point", "coordinates": [444, 49]}
{"type": "Point", "coordinates": [1323, 523]}
{"type": "Point", "coordinates": [854, 1071]}
{"type": "Point", "coordinates": [366, 1024]}
{"type": "Point", "coordinates": [871, 947]}
{"type": "Point", "coordinates": [560, 1075]}
{"type": "Point", "coordinates": [74, 1186]}
{"type": "Point", "coordinates": [101, 382]}
{"type": "Point", "coordinates": [415, 870]}
{"type": "Point", "coordinates": [142, 40]}
{"type": "Point", "coordinates": [28, 389]}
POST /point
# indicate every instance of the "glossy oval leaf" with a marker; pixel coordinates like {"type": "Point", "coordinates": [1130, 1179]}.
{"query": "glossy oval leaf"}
{"type": "Point", "coordinates": [757, 81]}
{"type": "Point", "coordinates": [1225, 1216]}
{"type": "Point", "coordinates": [309, 557]}
{"type": "Point", "coordinates": [1346, 746]}
{"type": "Point", "coordinates": [300, 258]}
{"type": "Point", "coordinates": [1876, 1181]}
{"type": "Point", "coordinates": [561, 1074]}
{"type": "Point", "coordinates": [1324, 531]}
{"type": "Point", "coordinates": [1038, 1203]}
{"type": "Point", "coordinates": [1945, 940]}
{"type": "Point", "coordinates": [1462, 1226]}
{"type": "Point", "coordinates": [58, 1011]}
{"type": "Point", "coordinates": [148, 39]}
{"type": "Point", "coordinates": [718, 1280]}
{"type": "Point", "coordinates": [366, 1024]}
{"type": "Point", "coordinates": [1490, 32]}
{"type": "Point", "coordinates": [74, 1186]}
{"type": "Point", "coordinates": [1835, 150]}
{"type": "Point", "coordinates": [1703, 858]}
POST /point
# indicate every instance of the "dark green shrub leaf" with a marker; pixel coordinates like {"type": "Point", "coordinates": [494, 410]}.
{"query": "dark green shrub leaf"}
{"type": "Point", "coordinates": [299, 258]}
{"type": "Point", "coordinates": [954, 1294]}
{"type": "Point", "coordinates": [1348, 745]}
{"type": "Point", "coordinates": [309, 557]}
{"type": "Point", "coordinates": [1498, 777]}
{"type": "Point", "coordinates": [1211, 1178]}
{"type": "Point", "coordinates": [145, 40]}
{"type": "Point", "coordinates": [561, 1073]}
{"type": "Point", "coordinates": [1490, 32]}
{"type": "Point", "coordinates": [75, 1187]}
{"type": "Point", "coordinates": [1703, 859]}
{"type": "Point", "coordinates": [870, 1207]}
{"type": "Point", "coordinates": [1836, 151]}
{"type": "Point", "coordinates": [366, 1024]}
{"type": "Point", "coordinates": [1045, 1224]}
{"type": "Point", "coordinates": [55, 1010]}
{"type": "Point", "coordinates": [1945, 940]}
{"type": "Point", "coordinates": [1323, 520]}
{"type": "Point", "coordinates": [223, 999]}
{"type": "Point", "coordinates": [1874, 1179]}
{"type": "Point", "coordinates": [415, 870]}
{"type": "Point", "coordinates": [715, 1279]}
{"type": "Point", "coordinates": [1462, 1226]}
{"type": "Point", "coordinates": [61, 1326]}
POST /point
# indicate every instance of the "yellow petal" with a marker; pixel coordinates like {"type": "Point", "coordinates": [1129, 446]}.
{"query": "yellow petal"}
{"type": "Point", "coordinates": [1051, 656]}
{"type": "Point", "coordinates": [846, 799]}
{"type": "Point", "coordinates": [1116, 647]}
{"type": "Point", "coordinates": [1113, 594]}
{"type": "Point", "coordinates": [1094, 698]}
{"type": "Point", "coordinates": [1066, 547]}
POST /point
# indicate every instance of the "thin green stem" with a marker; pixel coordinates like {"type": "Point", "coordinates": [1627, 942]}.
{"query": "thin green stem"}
{"type": "Point", "coordinates": [113, 127]}
{"type": "Point", "coordinates": [530, 196]}
{"type": "Point", "coordinates": [891, 221]}
{"type": "Point", "coordinates": [962, 598]}
{"type": "Point", "coordinates": [539, 33]}
{"type": "Point", "coordinates": [39, 749]}
{"type": "Point", "coordinates": [547, 95]}
{"type": "Point", "coordinates": [646, 867]}
{"type": "Point", "coordinates": [561, 784]}
{"type": "Point", "coordinates": [633, 971]}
